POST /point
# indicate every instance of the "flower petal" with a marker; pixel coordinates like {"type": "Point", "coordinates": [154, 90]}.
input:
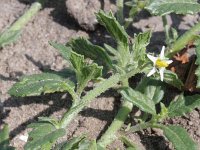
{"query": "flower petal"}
{"type": "Point", "coordinates": [152, 58]}
{"type": "Point", "coordinates": [162, 53]}
{"type": "Point", "coordinates": [151, 72]}
{"type": "Point", "coordinates": [161, 70]}
{"type": "Point", "coordinates": [169, 61]}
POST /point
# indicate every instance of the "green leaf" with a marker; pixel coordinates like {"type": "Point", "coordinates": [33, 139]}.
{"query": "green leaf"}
{"type": "Point", "coordinates": [41, 83]}
{"type": "Point", "coordinates": [87, 145]}
{"type": "Point", "coordinates": [64, 50]}
{"type": "Point", "coordinates": [43, 136]}
{"type": "Point", "coordinates": [139, 99]}
{"type": "Point", "coordinates": [4, 139]}
{"type": "Point", "coordinates": [78, 143]}
{"type": "Point", "coordinates": [152, 88]}
{"type": "Point", "coordinates": [113, 26]}
{"type": "Point", "coordinates": [84, 72]}
{"type": "Point", "coordinates": [9, 37]}
{"type": "Point", "coordinates": [71, 144]}
{"type": "Point", "coordinates": [172, 79]}
{"type": "Point", "coordinates": [139, 47]}
{"type": "Point", "coordinates": [163, 7]}
{"type": "Point", "coordinates": [84, 47]}
{"type": "Point", "coordinates": [129, 144]}
{"type": "Point", "coordinates": [182, 105]}
{"type": "Point", "coordinates": [179, 137]}
{"type": "Point", "coordinates": [118, 33]}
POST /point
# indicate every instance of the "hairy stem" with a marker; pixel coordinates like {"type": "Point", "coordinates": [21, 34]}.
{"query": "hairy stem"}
{"type": "Point", "coordinates": [20, 23]}
{"type": "Point", "coordinates": [120, 9]}
{"type": "Point", "coordinates": [166, 29]}
{"type": "Point", "coordinates": [102, 87]}
{"type": "Point", "coordinates": [140, 127]}
{"type": "Point", "coordinates": [187, 37]}
{"type": "Point", "coordinates": [109, 136]}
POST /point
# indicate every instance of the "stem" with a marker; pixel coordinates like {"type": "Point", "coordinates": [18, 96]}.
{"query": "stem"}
{"type": "Point", "coordinates": [19, 24]}
{"type": "Point", "coordinates": [140, 127]}
{"type": "Point", "coordinates": [102, 87]}
{"type": "Point", "coordinates": [120, 9]}
{"type": "Point", "coordinates": [166, 29]}
{"type": "Point", "coordinates": [187, 37]}
{"type": "Point", "coordinates": [121, 116]}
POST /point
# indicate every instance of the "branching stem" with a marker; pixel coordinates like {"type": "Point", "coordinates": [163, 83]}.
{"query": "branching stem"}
{"type": "Point", "coordinates": [102, 87]}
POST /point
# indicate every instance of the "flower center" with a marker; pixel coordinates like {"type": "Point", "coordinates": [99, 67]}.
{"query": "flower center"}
{"type": "Point", "coordinates": [161, 63]}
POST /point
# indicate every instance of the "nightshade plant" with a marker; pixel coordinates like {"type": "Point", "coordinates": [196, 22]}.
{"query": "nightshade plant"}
{"type": "Point", "coordinates": [126, 60]}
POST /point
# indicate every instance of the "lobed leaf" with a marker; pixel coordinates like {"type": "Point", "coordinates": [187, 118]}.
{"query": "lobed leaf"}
{"type": "Point", "coordinates": [113, 26]}
{"type": "Point", "coordinates": [139, 99]}
{"type": "Point", "coordinates": [37, 84]}
{"type": "Point", "coordinates": [183, 105]}
{"type": "Point", "coordinates": [71, 144]}
{"type": "Point", "coordinates": [152, 88]}
{"type": "Point", "coordinates": [119, 34]}
{"type": "Point", "coordinates": [84, 72]}
{"type": "Point", "coordinates": [78, 143]}
{"type": "Point", "coordinates": [139, 47]}
{"type": "Point", "coordinates": [84, 47]}
{"type": "Point", "coordinates": [163, 7]}
{"type": "Point", "coordinates": [43, 136]}
{"type": "Point", "coordinates": [172, 79]}
{"type": "Point", "coordinates": [179, 137]}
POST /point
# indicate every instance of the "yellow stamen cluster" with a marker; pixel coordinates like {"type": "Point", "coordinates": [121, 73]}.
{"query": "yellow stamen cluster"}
{"type": "Point", "coordinates": [161, 63]}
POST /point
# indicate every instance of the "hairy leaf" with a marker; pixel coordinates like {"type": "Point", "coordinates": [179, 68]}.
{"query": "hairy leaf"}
{"type": "Point", "coordinates": [172, 79]}
{"type": "Point", "coordinates": [183, 105]}
{"type": "Point", "coordinates": [4, 139]}
{"type": "Point", "coordinates": [152, 88]}
{"type": "Point", "coordinates": [179, 138]}
{"type": "Point", "coordinates": [71, 144]}
{"type": "Point", "coordinates": [84, 47]}
{"type": "Point", "coordinates": [78, 143]}
{"type": "Point", "coordinates": [129, 144]}
{"type": "Point", "coordinates": [118, 33]}
{"type": "Point", "coordinates": [113, 26]}
{"type": "Point", "coordinates": [43, 136]}
{"type": "Point", "coordinates": [84, 72]}
{"type": "Point", "coordinates": [41, 83]}
{"type": "Point", "coordinates": [139, 47]}
{"type": "Point", "coordinates": [64, 50]}
{"type": "Point", "coordinates": [163, 7]}
{"type": "Point", "coordinates": [9, 37]}
{"type": "Point", "coordinates": [139, 99]}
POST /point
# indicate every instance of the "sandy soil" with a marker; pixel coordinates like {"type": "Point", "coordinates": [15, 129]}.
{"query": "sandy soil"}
{"type": "Point", "coordinates": [32, 54]}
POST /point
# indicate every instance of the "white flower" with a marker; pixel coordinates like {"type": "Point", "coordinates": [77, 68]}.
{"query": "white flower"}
{"type": "Point", "coordinates": [160, 63]}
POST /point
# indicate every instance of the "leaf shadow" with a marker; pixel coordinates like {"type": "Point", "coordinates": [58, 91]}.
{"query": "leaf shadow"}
{"type": "Point", "coordinates": [55, 102]}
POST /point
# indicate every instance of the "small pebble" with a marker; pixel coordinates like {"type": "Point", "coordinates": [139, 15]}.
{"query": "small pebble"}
{"type": "Point", "coordinates": [23, 138]}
